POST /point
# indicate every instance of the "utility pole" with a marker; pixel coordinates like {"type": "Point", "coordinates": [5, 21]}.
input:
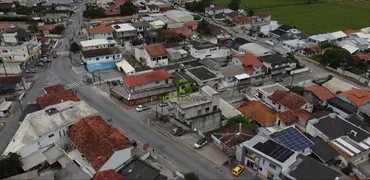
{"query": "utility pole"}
{"type": "Point", "coordinates": [99, 77]}
{"type": "Point", "coordinates": [156, 110]}
{"type": "Point", "coordinates": [20, 104]}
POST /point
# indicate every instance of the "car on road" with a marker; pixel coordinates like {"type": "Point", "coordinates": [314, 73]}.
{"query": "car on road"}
{"type": "Point", "coordinates": [31, 70]}
{"type": "Point", "coordinates": [278, 80]}
{"type": "Point", "coordinates": [200, 143]}
{"type": "Point", "coordinates": [141, 108]}
{"type": "Point", "coordinates": [163, 104]}
{"type": "Point", "coordinates": [258, 84]}
{"type": "Point", "coordinates": [177, 131]}
{"type": "Point", "coordinates": [40, 64]}
{"type": "Point", "coordinates": [238, 170]}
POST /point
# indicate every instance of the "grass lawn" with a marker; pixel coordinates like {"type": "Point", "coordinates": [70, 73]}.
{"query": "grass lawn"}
{"type": "Point", "coordinates": [320, 18]}
{"type": "Point", "coordinates": [258, 3]}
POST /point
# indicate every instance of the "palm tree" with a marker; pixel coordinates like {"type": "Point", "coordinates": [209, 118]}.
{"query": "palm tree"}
{"type": "Point", "coordinates": [3, 62]}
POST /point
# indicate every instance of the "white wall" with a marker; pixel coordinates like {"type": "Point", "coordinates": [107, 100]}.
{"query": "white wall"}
{"type": "Point", "coordinates": [209, 53]}
{"type": "Point", "coordinates": [117, 159]}
{"type": "Point", "coordinates": [100, 59]}
{"type": "Point", "coordinates": [338, 111]}
{"type": "Point", "coordinates": [10, 37]}
{"type": "Point", "coordinates": [155, 63]}
{"type": "Point", "coordinates": [152, 85]}
{"type": "Point", "coordinates": [100, 36]}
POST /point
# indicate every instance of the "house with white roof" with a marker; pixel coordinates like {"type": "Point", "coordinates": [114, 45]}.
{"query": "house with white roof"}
{"type": "Point", "coordinates": [126, 68]}
{"type": "Point", "coordinates": [97, 44]}
{"type": "Point", "coordinates": [321, 38]}
{"type": "Point", "coordinates": [339, 35]}
{"type": "Point", "coordinates": [255, 49]}
{"type": "Point", "coordinates": [124, 32]}
{"type": "Point", "coordinates": [293, 45]}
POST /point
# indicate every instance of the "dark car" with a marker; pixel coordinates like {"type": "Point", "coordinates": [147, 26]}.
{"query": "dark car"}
{"type": "Point", "coordinates": [258, 84]}
{"type": "Point", "coordinates": [278, 80]}
{"type": "Point", "coordinates": [162, 104]}
{"type": "Point", "coordinates": [54, 55]}
{"type": "Point", "coordinates": [177, 131]}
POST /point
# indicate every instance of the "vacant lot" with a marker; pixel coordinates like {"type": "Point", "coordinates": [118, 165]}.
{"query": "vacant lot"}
{"type": "Point", "coordinates": [321, 18]}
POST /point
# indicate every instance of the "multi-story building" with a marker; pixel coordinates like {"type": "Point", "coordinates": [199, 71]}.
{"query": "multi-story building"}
{"type": "Point", "coordinates": [154, 55]}
{"type": "Point", "coordinates": [18, 45]}
{"type": "Point", "coordinates": [100, 59]}
{"type": "Point", "coordinates": [124, 32]}
{"type": "Point", "coordinates": [97, 44]}
{"type": "Point", "coordinates": [252, 66]}
{"type": "Point", "coordinates": [103, 31]}
{"type": "Point", "coordinates": [208, 50]}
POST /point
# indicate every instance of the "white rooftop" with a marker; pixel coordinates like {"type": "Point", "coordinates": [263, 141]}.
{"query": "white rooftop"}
{"type": "Point", "coordinates": [255, 49]}
{"type": "Point", "coordinates": [349, 48]}
{"type": "Point", "coordinates": [339, 34]}
{"type": "Point", "coordinates": [242, 76]}
{"type": "Point", "coordinates": [40, 122]}
{"type": "Point", "coordinates": [123, 27]}
{"type": "Point", "coordinates": [126, 67]}
{"type": "Point", "coordinates": [96, 42]}
{"type": "Point", "coordinates": [177, 13]}
{"type": "Point", "coordinates": [295, 43]}
{"type": "Point", "coordinates": [336, 85]}
{"type": "Point", "coordinates": [210, 91]}
{"type": "Point", "coordinates": [322, 37]}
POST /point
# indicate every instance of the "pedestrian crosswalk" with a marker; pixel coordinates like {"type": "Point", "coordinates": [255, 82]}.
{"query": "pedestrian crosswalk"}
{"type": "Point", "coordinates": [62, 53]}
{"type": "Point", "coordinates": [74, 85]}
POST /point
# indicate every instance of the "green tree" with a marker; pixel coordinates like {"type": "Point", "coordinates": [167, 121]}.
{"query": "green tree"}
{"type": "Point", "coordinates": [196, 17]}
{"type": "Point", "coordinates": [234, 5]}
{"type": "Point", "coordinates": [58, 29]}
{"type": "Point", "coordinates": [297, 89]}
{"type": "Point", "coordinates": [33, 28]}
{"type": "Point", "coordinates": [197, 6]}
{"type": "Point", "coordinates": [203, 28]}
{"type": "Point", "coordinates": [242, 119]}
{"type": "Point", "coordinates": [10, 165]}
{"type": "Point", "coordinates": [128, 9]}
{"type": "Point", "coordinates": [75, 47]}
{"type": "Point", "coordinates": [336, 57]}
{"type": "Point", "coordinates": [94, 12]}
{"type": "Point", "coordinates": [250, 13]}
{"type": "Point", "coordinates": [191, 176]}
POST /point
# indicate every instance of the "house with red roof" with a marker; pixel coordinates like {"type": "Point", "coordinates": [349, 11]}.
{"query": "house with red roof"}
{"type": "Point", "coordinates": [56, 98]}
{"type": "Point", "coordinates": [108, 175]}
{"type": "Point", "coordinates": [244, 22]}
{"type": "Point", "coordinates": [144, 87]}
{"type": "Point", "coordinates": [45, 29]}
{"type": "Point", "coordinates": [183, 30]}
{"type": "Point", "coordinates": [356, 97]}
{"type": "Point", "coordinates": [192, 25]}
{"type": "Point", "coordinates": [252, 66]}
{"type": "Point", "coordinates": [264, 17]}
{"type": "Point", "coordinates": [98, 146]}
{"type": "Point", "coordinates": [213, 10]}
{"type": "Point", "coordinates": [317, 94]}
{"type": "Point", "coordinates": [102, 31]}
{"type": "Point", "coordinates": [282, 101]}
{"type": "Point", "coordinates": [153, 55]}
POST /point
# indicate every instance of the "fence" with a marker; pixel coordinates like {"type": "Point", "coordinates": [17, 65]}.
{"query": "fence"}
{"type": "Point", "coordinates": [357, 77]}
{"type": "Point", "coordinates": [298, 71]}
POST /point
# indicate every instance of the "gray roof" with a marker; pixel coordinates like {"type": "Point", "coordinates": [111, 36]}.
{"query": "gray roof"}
{"type": "Point", "coordinates": [274, 59]}
{"type": "Point", "coordinates": [200, 46]}
{"type": "Point", "coordinates": [182, 75]}
{"type": "Point", "coordinates": [230, 71]}
{"type": "Point", "coordinates": [71, 171]}
{"type": "Point", "coordinates": [213, 63]}
{"type": "Point", "coordinates": [358, 121]}
{"type": "Point", "coordinates": [365, 109]}
{"type": "Point", "coordinates": [138, 169]}
{"type": "Point", "coordinates": [323, 150]}
{"type": "Point", "coordinates": [202, 73]}
{"type": "Point", "coordinates": [140, 24]}
{"type": "Point", "coordinates": [342, 105]}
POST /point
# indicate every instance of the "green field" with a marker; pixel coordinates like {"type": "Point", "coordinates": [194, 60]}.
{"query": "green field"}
{"type": "Point", "coordinates": [315, 18]}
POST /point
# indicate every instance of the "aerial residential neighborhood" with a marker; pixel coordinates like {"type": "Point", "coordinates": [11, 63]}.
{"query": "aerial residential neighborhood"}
{"type": "Point", "coordinates": [178, 89]}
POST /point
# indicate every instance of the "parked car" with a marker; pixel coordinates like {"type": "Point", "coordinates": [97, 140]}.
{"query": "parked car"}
{"type": "Point", "coordinates": [258, 84]}
{"type": "Point", "coordinates": [200, 143]}
{"type": "Point", "coordinates": [40, 64]}
{"type": "Point", "coordinates": [141, 108]}
{"type": "Point", "coordinates": [278, 80]}
{"type": "Point", "coordinates": [177, 131]}
{"type": "Point", "coordinates": [238, 170]}
{"type": "Point", "coordinates": [163, 103]}
{"type": "Point", "coordinates": [31, 71]}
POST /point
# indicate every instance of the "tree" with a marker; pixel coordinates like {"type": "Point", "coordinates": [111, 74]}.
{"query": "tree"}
{"type": "Point", "coordinates": [250, 13]}
{"type": "Point", "coordinates": [234, 5]}
{"type": "Point", "coordinates": [297, 89]}
{"type": "Point", "coordinates": [196, 17]}
{"type": "Point", "coordinates": [94, 12]}
{"type": "Point", "coordinates": [197, 6]}
{"type": "Point", "coordinates": [191, 176]}
{"type": "Point", "coordinates": [10, 165]}
{"type": "Point", "coordinates": [203, 27]}
{"type": "Point", "coordinates": [33, 28]}
{"type": "Point", "coordinates": [58, 29]}
{"type": "Point", "coordinates": [75, 47]}
{"type": "Point", "coordinates": [243, 120]}
{"type": "Point", "coordinates": [128, 9]}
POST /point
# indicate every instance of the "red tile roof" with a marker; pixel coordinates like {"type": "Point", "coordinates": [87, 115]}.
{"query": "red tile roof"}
{"type": "Point", "coordinates": [250, 62]}
{"type": "Point", "coordinates": [166, 7]}
{"type": "Point", "coordinates": [320, 92]}
{"type": "Point", "coordinates": [10, 80]}
{"type": "Point", "coordinates": [96, 140]}
{"type": "Point", "coordinates": [46, 27]}
{"type": "Point", "coordinates": [146, 78]}
{"type": "Point", "coordinates": [288, 117]}
{"type": "Point", "coordinates": [304, 115]}
{"type": "Point", "coordinates": [6, 26]}
{"type": "Point", "coordinates": [183, 30]}
{"type": "Point", "coordinates": [155, 50]}
{"type": "Point", "coordinates": [263, 15]}
{"type": "Point", "coordinates": [191, 23]}
{"type": "Point", "coordinates": [56, 98]}
{"type": "Point", "coordinates": [232, 14]}
{"type": "Point", "coordinates": [358, 97]}
{"type": "Point", "coordinates": [351, 31]}
{"type": "Point", "coordinates": [120, 2]}
{"type": "Point", "coordinates": [243, 19]}
{"type": "Point", "coordinates": [103, 28]}
{"type": "Point", "coordinates": [290, 100]}
{"type": "Point", "coordinates": [259, 112]}
{"type": "Point", "coordinates": [108, 175]}
{"type": "Point", "coordinates": [363, 56]}
{"type": "Point", "coordinates": [58, 88]}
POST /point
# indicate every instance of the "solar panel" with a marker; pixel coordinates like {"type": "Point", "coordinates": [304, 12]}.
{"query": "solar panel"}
{"type": "Point", "coordinates": [292, 138]}
{"type": "Point", "coordinates": [274, 150]}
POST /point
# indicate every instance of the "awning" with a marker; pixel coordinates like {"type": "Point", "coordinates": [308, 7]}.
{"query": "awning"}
{"type": "Point", "coordinates": [33, 160]}
{"type": "Point", "coordinates": [349, 48]}
{"type": "Point", "coordinates": [125, 66]}
{"type": "Point", "coordinates": [5, 105]}
{"type": "Point", "coordinates": [242, 76]}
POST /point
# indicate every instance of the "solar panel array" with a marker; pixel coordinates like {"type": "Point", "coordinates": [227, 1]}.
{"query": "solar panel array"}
{"type": "Point", "coordinates": [292, 139]}
{"type": "Point", "coordinates": [274, 150]}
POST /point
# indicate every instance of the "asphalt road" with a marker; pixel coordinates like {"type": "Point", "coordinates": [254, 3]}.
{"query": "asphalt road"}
{"type": "Point", "coordinates": [132, 122]}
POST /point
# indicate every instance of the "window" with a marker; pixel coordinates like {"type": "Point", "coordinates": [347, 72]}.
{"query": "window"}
{"type": "Point", "coordinates": [166, 81]}
{"type": "Point", "coordinates": [263, 162]}
{"type": "Point", "coordinates": [207, 109]}
{"type": "Point", "coordinates": [272, 166]}
{"type": "Point", "coordinates": [106, 57]}
{"type": "Point", "coordinates": [97, 59]}
{"type": "Point", "coordinates": [214, 108]}
{"type": "Point", "coordinates": [51, 135]}
{"type": "Point", "coordinates": [5, 51]}
{"type": "Point", "coordinates": [60, 134]}
{"type": "Point", "coordinates": [157, 82]}
{"type": "Point", "coordinates": [199, 112]}
{"type": "Point", "coordinates": [164, 57]}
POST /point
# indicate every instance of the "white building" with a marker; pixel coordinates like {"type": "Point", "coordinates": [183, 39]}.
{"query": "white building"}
{"type": "Point", "coordinates": [154, 55]}
{"type": "Point", "coordinates": [255, 49]}
{"type": "Point", "coordinates": [42, 128]}
{"type": "Point", "coordinates": [157, 24]}
{"type": "Point", "coordinates": [179, 16]}
{"type": "Point", "coordinates": [229, 73]}
{"type": "Point", "coordinates": [100, 59]}
{"type": "Point", "coordinates": [208, 50]}
{"type": "Point", "coordinates": [293, 45]}
{"type": "Point", "coordinates": [103, 31]}
{"type": "Point", "coordinates": [4, 107]}
{"type": "Point", "coordinates": [18, 45]}
{"type": "Point", "coordinates": [97, 44]}
{"type": "Point", "coordinates": [124, 32]}
{"type": "Point", "coordinates": [126, 68]}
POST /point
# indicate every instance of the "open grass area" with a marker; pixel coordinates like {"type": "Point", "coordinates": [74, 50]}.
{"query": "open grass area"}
{"type": "Point", "coordinates": [320, 18]}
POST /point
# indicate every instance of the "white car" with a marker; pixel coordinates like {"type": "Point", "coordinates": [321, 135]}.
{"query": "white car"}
{"type": "Point", "coordinates": [141, 108]}
{"type": "Point", "coordinates": [200, 143]}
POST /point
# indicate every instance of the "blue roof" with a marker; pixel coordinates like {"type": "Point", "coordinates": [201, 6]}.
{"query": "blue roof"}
{"type": "Point", "coordinates": [292, 139]}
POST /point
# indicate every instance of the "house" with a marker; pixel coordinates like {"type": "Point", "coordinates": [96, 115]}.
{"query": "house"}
{"type": "Point", "coordinates": [179, 16]}
{"type": "Point", "coordinates": [53, 18]}
{"type": "Point", "coordinates": [126, 68]}
{"type": "Point", "coordinates": [337, 86]}
{"type": "Point", "coordinates": [153, 8]}
{"type": "Point", "coordinates": [97, 44]}
{"type": "Point", "coordinates": [45, 29]}
{"type": "Point", "coordinates": [357, 97]}
{"type": "Point", "coordinates": [153, 55]}
{"type": "Point", "coordinates": [200, 109]}
{"type": "Point", "coordinates": [142, 27]}
{"type": "Point", "coordinates": [283, 101]}
{"type": "Point", "coordinates": [191, 25]}
{"type": "Point", "coordinates": [321, 38]}
{"type": "Point", "coordinates": [5, 107]}
{"type": "Point", "coordinates": [208, 50]}
{"type": "Point", "coordinates": [307, 168]}
{"type": "Point", "coordinates": [264, 17]}
{"type": "Point", "coordinates": [56, 98]}
{"type": "Point", "coordinates": [255, 49]}
{"type": "Point", "coordinates": [259, 113]}
{"type": "Point", "coordinates": [317, 94]}
{"type": "Point", "coordinates": [264, 92]}
{"type": "Point", "coordinates": [4, 27]}
{"type": "Point", "coordinates": [311, 51]}
{"type": "Point", "coordinates": [284, 30]}
{"type": "Point", "coordinates": [204, 76]}
{"type": "Point", "coordinates": [286, 118]}
{"type": "Point", "coordinates": [166, 7]}
{"type": "Point", "coordinates": [58, 88]}
{"type": "Point", "coordinates": [102, 31]}
{"type": "Point", "coordinates": [265, 156]}
{"type": "Point", "coordinates": [353, 44]}
{"type": "Point", "coordinates": [213, 10]}
{"type": "Point", "coordinates": [341, 107]}
{"type": "Point", "coordinates": [100, 59]}
{"type": "Point", "coordinates": [144, 87]}
{"type": "Point", "coordinates": [294, 44]}
{"type": "Point", "coordinates": [136, 168]}
{"type": "Point", "coordinates": [108, 174]}
{"type": "Point", "coordinates": [323, 151]}
{"type": "Point", "coordinates": [185, 31]}
{"type": "Point", "coordinates": [228, 137]}
{"type": "Point", "coordinates": [243, 22]}
{"type": "Point", "coordinates": [364, 112]}
{"type": "Point", "coordinates": [229, 72]}
{"type": "Point", "coordinates": [293, 139]}
{"type": "Point", "coordinates": [339, 35]}
{"type": "Point", "coordinates": [277, 64]}
{"type": "Point", "coordinates": [252, 66]}
{"type": "Point", "coordinates": [11, 84]}
{"type": "Point", "coordinates": [7, 8]}
{"type": "Point", "coordinates": [19, 45]}
{"type": "Point", "coordinates": [100, 146]}
{"type": "Point", "coordinates": [40, 129]}
{"type": "Point", "coordinates": [362, 56]}
{"type": "Point", "coordinates": [303, 118]}
{"type": "Point", "coordinates": [231, 15]}
{"type": "Point", "coordinates": [175, 54]}
{"type": "Point", "coordinates": [181, 76]}
{"type": "Point", "coordinates": [124, 32]}
{"type": "Point", "coordinates": [352, 142]}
